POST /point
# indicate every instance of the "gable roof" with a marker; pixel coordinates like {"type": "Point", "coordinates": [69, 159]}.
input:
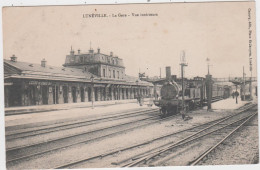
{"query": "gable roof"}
{"type": "Point", "coordinates": [32, 70]}
{"type": "Point", "coordinates": [27, 70]}
{"type": "Point", "coordinates": [25, 66]}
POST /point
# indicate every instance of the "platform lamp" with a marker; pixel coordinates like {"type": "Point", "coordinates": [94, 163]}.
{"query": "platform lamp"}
{"type": "Point", "coordinates": [92, 91]}
{"type": "Point", "coordinates": [236, 82]}
{"type": "Point", "coordinates": [138, 92]}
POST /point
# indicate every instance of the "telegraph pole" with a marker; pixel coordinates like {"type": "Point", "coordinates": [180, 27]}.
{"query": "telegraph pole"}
{"type": "Point", "coordinates": [251, 97]}
{"type": "Point", "coordinates": [244, 84]}
{"type": "Point", "coordinates": [183, 64]}
{"type": "Point", "coordinates": [250, 85]}
{"type": "Point", "coordinates": [208, 87]}
{"type": "Point", "coordinates": [160, 72]}
{"type": "Point", "coordinates": [236, 95]}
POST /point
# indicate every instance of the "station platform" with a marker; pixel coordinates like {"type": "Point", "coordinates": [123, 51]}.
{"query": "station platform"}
{"type": "Point", "coordinates": [230, 103]}
{"type": "Point", "coordinates": [77, 111]}
{"type": "Point", "coordinates": [54, 107]}
{"type": "Point", "coordinates": [58, 116]}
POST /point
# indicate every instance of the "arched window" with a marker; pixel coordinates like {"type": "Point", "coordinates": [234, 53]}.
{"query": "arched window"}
{"type": "Point", "coordinates": [104, 72]}
{"type": "Point", "coordinates": [114, 74]}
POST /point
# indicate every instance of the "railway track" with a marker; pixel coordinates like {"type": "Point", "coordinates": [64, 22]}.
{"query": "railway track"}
{"type": "Point", "coordinates": [143, 157]}
{"type": "Point", "coordinates": [210, 149]}
{"type": "Point", "coordinates": [28, 132]}
{"type": "Point", "coordinates": [154, 157]}
{"type": "Point", "coordinates": [17, 153]}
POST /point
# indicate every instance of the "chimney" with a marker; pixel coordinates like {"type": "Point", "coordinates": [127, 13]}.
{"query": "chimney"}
{"type": "Point", "coordinates": [71, 51]}
{"type": "Point", "coordinates": [111, 54]}
{"type": "Point", "coordinates": [98, 50]}
{"type": "Point", "coordinates": [78, 51]}
{"type": "Point", "coordinates": [43, 62]}
{"type": "Point", "coordinates": [13, 58]}
{"type": "Point", "coordinates": [168, 72]}
{"type": "Point", "coordinates": [91, 51]}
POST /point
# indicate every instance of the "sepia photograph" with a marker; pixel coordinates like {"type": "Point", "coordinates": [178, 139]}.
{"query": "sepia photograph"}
{"type": "Point", "coordinates": [130, 85]}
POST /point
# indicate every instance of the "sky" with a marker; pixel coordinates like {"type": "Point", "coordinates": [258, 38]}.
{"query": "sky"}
{"type": "Point", "coordinates": [218, 31]}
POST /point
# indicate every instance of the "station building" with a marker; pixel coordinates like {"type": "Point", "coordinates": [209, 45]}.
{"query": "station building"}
{"type": "Point", "coordinates": [84, 77]}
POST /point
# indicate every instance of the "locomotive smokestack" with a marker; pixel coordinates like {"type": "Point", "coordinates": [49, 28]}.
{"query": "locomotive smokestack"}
{"type": "Point", "coordinates": [168, 72]}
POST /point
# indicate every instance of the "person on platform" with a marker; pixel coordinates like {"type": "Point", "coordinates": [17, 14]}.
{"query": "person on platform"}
{"type": "Point", "coordinates": [236, 94]}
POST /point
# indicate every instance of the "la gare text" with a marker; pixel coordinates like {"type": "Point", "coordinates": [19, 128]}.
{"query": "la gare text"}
{"type": "Point", "coordinates": [119, 15]}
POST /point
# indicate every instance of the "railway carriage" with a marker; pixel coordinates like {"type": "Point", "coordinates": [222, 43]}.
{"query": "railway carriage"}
{"type": "Point", "coordinates": [170, 101]}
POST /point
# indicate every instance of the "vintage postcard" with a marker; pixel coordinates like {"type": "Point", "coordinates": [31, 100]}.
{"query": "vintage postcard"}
{"type": "Point", "coordinates": [130, 85]}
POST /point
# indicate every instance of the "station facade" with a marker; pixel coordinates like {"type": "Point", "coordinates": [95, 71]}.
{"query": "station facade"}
{"type": "Point", "coordinates": [84, 77]}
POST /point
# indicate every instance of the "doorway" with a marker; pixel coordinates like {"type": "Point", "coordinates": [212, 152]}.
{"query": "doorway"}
{"type": "Point", "coordinates": [74, 94]}
{"type": "Point", "coordinates": [55, 94]}
{"type": "Point", "coordinates": [65, 94]}
{"type": "Point", "coordinates": [82, 94]}
{"type": "Point", "coordinates": [89, 94]}
{"type": "Point", "coordinates": [96, 94]}
{"type": "Point", "coordinates": [14, 95]}
{"type": "Point", "coordinates": [45, 94]}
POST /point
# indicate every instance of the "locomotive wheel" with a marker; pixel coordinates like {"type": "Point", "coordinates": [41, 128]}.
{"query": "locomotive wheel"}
{"type": "Point", "coordinates": [175, 110]}
{"type": "Point", "coordinates": [172, 110]}
{"type": "Point", "coordinates": [187, 108]}
{"type": "Point", "coordinates": [163, 112]}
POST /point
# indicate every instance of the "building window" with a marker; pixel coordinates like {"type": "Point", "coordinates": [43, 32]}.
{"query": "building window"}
{"type": "Point", "coordinates": [118, 74]}
{"type": "Point", "coordinates": [109, 73]}
{"type": "Point", "coordinates": [104, 72]}
{"type": "Point", "coordinates": [114, 74]}
{"type": "Point", "coordinates": [113, 62]}
{"type": "Point", "coordinates": [122, 75]}
{"type": "Point", "coordinates": [108, 60]}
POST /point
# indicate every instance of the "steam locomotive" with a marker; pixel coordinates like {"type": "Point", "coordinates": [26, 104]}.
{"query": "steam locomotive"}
{"type": "Point", "coordinates": [170, 101]}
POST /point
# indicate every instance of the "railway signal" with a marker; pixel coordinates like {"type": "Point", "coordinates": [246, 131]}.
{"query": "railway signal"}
{"type": "Point", "coordinates": [183, 64]}
{"type": "Point", "coordinates": [92, 91]}
{"type": "Point", "coordinates": [209, 87]}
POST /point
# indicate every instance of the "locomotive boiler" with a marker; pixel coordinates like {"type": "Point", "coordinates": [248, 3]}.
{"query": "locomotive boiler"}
{"type": "Point", "coordinates": [170, 101]}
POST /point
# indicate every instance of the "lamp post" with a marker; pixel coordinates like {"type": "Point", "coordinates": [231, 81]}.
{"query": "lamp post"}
{"type": "Point", "coordinates": [208, 86]}
{"type": "Point", "coordinates": [137, 86]}
{"type": "Point", "coordinates": [92, 91]}
{"type": "Point", "coordinates": [183, 64]}
{"type": "Point", "coordinates": [236, 94]}
{"type": "Point", "coordinates": [244, 84]}
{"type": "Point", "coordinates": [237, 82]}
{"type": "Point", "coordinates": [138, 94]}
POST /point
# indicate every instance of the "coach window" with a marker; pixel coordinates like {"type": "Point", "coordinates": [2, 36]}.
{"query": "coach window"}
{"type": "Point", "coordinates": [81, 59]}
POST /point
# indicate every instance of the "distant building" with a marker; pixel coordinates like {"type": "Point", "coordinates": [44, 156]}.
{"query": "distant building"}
{"type": "Point", "coordinates": [102, 65]}
{"type": "Point", "coordinates": [84, 77]}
